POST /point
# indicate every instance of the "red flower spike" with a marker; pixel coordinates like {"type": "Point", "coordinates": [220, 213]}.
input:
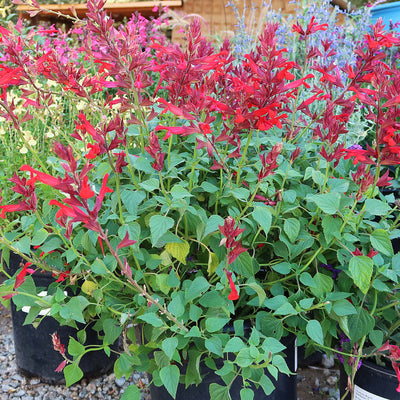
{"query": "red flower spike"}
{"type": "Point", "coordinates": [233, 295]}
{"type": "Point", "coordinates": [57, 345]}
{"type": "Point", "coordinates": [230, 233]}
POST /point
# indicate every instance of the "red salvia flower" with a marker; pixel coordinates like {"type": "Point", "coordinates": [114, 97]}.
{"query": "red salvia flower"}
{"type": "Point", "coordinates": [57, 345]}
{"type": "Point", "coordinates": [93, 152]}
{"type": "Point", "coordinates": [20, 278]}
{"type": "Point", "coordinates": [86, 192]}
{"type": "Point", "coordinates": [394, 356]}
{"type": "Point", "coordinates": [230, 233]}
{"type": "Point", "coordinates": [154, 149]}
{"type": "Point", "coordinates": [233, 295]}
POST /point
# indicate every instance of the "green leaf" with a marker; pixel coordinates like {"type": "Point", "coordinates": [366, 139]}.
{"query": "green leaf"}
{"type": "Point", "coordinates": [241, 193]}
{"type": "Point", "coordinates": [175, 306]}
{"type": "Point", "coordinates": [74, 308]}
{"type": "Point", "coordinates": [170, 378]}
{"type": "Point", "coordinates": [343, 308]}
{"type": "Point", "coordinates": [178, 251]}
{"type": "Point", "coordinates": [194, 332]}
{"type": "Point", "coordinates": [23, 245]}
{"type": "Point", "coordinates": [131, 200]}
{"type": "Point", "coordinates": [212, 224]}
{"type": "Point", "coordinates": [307, 280]}
{"type": "Point", "coordinates": [150, 185]}
{"type": "Point", "coordinates": [273, 345]}
{"type": "Point", "coordinates": [377, 207]}
{"type": "Point", "coordinates": [75, 348]}
{"type": "Point", "coordinates": [197, 288]}
{"type": "Point", "coordinates": [331, 227]}
{"type": "Point", "coordinates": [306, 303]}
{"type": "Point", "coordinates": [214, 324]}
{"type": "Point", "coordinates": [259, 290]}
{"type": "Point", "coordinates": [266, 384]}
{"type": "Point", "coordinates": [219, 392]}
{"type": "Point", "coordinates": [214, 345]}
{"type": "Point", "coordinates": [285, 309]}
{"type": "Point", "coordinates": [244, 358]}
{"type": "Point", "coordinates": [282, 268]}
{"type": "Point", "coordinates": [99, 268]}
{"type": "Point", "coordinates": [234, 345]}
{"type": "Point", "coordinates": [193, 369]}
{"type": "Point", "coordinates": [376, 338]}
{"type": "Point", "coordinates": [360, 324]}
{"type": "Point", "coordinates": [72, 374]}
{"type": "Point", "coordinates": [209, 188]}
{"type": "Point", "coordinates": [323, 285]}
{"type": "Point", "coordinates": [39, 237]}
{"type": "Point", "coordinates": [361, 268]}
{"type": "Point", "coordinates": [269, 325]}
{"type": "Point", "coordinates": [380, 241]}
{"type": "Point", "coordinates": [243, 265]}
{"type": "Point", "coordinates": [169, 346]}
{"type": "Point", "coordinates": [213, 263]}
{"type": "Point", "coordinates": [291, 227]}
{"type": "Point", "coordinates": [159, 225]}
{"type": "Point", "coordinates": [112, 331]}
{"type": "Point", "coordinates": [179, 192]}
{"type": "Point", "coordinates": [151, 319]}
{"type": "Point", "coordinates": [327, 202]}
{"type": "Point", "coordinates": [263, 217]}
{"type": "Point", "coordinates": [132, 392]}
{"type": "Point", "coordinates": [53, 243]}
{"type": "Point", "coordinates": [314, 331]}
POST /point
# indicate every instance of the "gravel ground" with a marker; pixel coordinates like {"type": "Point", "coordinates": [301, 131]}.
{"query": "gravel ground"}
{"type": "Point", "coordinates": [314, 382]}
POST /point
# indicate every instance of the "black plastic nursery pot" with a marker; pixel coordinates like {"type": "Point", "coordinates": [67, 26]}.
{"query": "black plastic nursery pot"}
{"type": "Point", "coordinates": [34, 351]}
{"type": "Point", "coordinates": [285, 386]}
{"type": "Point", "coordinates": [372, 382]}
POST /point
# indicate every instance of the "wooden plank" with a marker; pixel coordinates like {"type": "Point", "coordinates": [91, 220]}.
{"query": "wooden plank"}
{"type": "Point", "coordinates": [123, 9]}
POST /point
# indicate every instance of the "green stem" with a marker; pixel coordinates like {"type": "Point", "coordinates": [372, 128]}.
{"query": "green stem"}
{"type": "Point", "coordinates": [242, 159]}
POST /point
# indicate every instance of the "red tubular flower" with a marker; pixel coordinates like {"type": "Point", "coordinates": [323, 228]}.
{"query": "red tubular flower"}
{"type": "Point", "coordinates": [394, 356]}
{"type": "Point", "coordinates": [21, 206]}
{"type": "Point", "coordinates": [61, 366]}
{"type": "Point", "coordinates": [103, 190]}
{"type": "Point", "coordinates": [20, 278]}
{"type": "Point", "coordinates": [41, 176]}
{"type": "Point", "coordinates": [93, 152]}
{"type": "Point", "coordinates": [233, 295]}
{"type": "Point", "coordinates": [86, 192]}
{"type": "Point", "coordinates": [62, 276]}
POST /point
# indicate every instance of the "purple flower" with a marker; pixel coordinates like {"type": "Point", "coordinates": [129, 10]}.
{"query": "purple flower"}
{"type": "Point", "coordinates": [335, 271]}
{"type": "Point", "coordinates": [355, 147]}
